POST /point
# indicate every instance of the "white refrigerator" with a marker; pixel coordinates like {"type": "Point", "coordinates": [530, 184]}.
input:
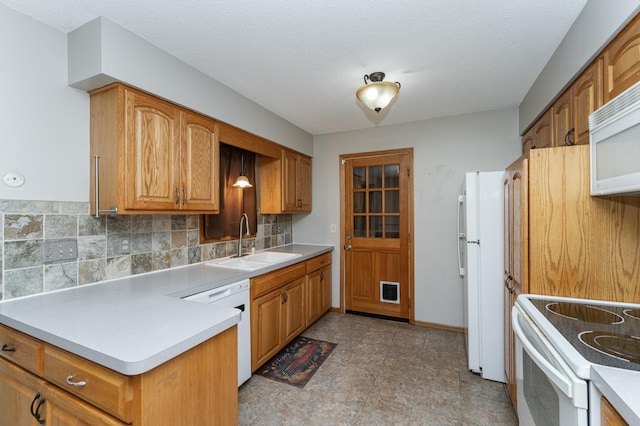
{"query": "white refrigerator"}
{"type": "Point", "coordinates": [480, 263]}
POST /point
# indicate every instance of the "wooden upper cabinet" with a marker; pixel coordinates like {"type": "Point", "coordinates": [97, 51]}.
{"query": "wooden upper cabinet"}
{"type": "Point", "coordinates": [200, 162]}
{"type": "Point", "coordinates": [154, 157]}
{"type": "Point", "coordinates": [562, 119]}
{"type": "Point", "coordinates": [543, 131]}
{"type": "Point", "coordinates": [586, 97]}
{"type": "Point", "coordinates": [527, 141]}
{"type": "Point", "coordinates": [285, 183]}
{"type": "Point", "coordinates": [151, 150]}
{"type": "Point", "coordinates": [297, 182]}
{"type": "Point", "coordinates": [622, 61]}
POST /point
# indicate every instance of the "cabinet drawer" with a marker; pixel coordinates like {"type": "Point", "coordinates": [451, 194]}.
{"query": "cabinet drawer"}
{"type": "Point", "coordinates": [102, 387]}
{"type": "Point", "coordinates": [318, 262]}
{"type": "Point", "coordinates": [267, 282]}
{"type": "Point", "coordinates": [21, 349]}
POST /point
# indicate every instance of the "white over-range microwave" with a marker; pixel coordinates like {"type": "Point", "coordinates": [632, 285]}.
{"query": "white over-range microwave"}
{"type": "Point", "coordinates": [614, 138]}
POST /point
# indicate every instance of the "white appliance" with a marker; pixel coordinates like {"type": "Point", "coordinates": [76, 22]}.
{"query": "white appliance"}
{"type": "Point", "coordinates": [614, 139]}
{"type": "Point", "coordinates": [558, 339]}
{"type": "Point", "coordinates": [235, 295]}
{"type": "Point", "coordinates": [480, 263]}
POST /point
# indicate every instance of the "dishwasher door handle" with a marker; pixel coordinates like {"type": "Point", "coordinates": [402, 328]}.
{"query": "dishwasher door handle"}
{"type": "Point", "coordinates": [214, 297]}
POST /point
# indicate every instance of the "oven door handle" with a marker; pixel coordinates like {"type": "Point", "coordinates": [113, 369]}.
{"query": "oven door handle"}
{"type": "Point", "coordinates": [561, 379]}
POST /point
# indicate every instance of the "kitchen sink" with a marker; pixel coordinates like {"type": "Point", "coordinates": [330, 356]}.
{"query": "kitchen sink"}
{"type": "Point", "coordinates": [271, 257]}
{"type": "Point", "coordinates": [253, 261]}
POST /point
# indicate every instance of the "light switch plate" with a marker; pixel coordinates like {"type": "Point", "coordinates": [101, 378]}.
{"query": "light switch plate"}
{"type": "Point", "coordinates": [59, 250]}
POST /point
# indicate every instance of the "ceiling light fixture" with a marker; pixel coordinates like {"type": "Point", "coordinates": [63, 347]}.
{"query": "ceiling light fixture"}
{"type": "Point", "coordinates": [378, 93]}
{"type": "Point", "coordinates": [242, 181]}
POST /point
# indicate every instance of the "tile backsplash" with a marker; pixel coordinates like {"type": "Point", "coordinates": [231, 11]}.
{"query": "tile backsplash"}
{"type": "Point", "coordinates": [156, 242]}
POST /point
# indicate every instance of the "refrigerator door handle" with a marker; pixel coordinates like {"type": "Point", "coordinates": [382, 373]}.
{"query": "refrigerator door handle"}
{"type": "Point", "coordinates": [461, 236]}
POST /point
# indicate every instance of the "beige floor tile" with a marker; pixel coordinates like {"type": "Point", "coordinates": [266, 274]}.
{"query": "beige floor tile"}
{"type": "Point", "coordinates": [381, 373]}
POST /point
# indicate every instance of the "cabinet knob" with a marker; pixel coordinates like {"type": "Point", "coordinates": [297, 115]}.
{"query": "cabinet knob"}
{"type": "Point", "coordinates": [184, 196]}
{"type": "Point", "coordinates": [36, 412]}
{"type": "Point", "coordinates": [177, 196]}
{"type": "Point", "coordinates": [322, 276]}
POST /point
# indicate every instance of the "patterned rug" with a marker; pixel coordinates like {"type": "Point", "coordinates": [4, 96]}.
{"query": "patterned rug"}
{"type": "Point", "coordinates": [298, 361]}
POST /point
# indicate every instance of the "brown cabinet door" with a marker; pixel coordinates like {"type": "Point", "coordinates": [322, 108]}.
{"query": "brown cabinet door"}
{"type": "Point", "coordinates": [18, 390]}
{"type": "Point", "coordinates": [63, 409]}
{"type": "Point", "coordinates": [562, 119]}
{"type": "Point", "coordinates": [266, 319]}
{"type": "Point", "coordinates": [543, 131]}
{"type": "Point", "coordinates": [314, 295]}
{"type": "Point", "coordinates": [200, 163]}
{"type": "Point", "coordinates": [527, 141]}
{"type": "Point", "coordinates": [289, 168]}
{"type": "Point", "coordinates": [293, 317]}
{"type": "Point", "coordinates": [325, 285]}
{"type": "Point", "coordinates": [622, 61]}
{"type": "Point", "coordinates": [609, 416]}
{"type": "Point", "coordinates": [586, 94]}
{"type": "Point", "coordinates": [303, 184]}
{"type": "Point", "coordinates": [151, 169]}
{"type": "Point", "coordinates": [519, 223]}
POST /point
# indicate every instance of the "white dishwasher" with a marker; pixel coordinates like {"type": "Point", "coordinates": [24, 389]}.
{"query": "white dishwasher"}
{"type": "Point", "coordinates": [235, 295]}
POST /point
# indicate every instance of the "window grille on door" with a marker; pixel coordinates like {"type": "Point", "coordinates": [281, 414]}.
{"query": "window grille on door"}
{"type": "Point", "coordinates": [376, 201]}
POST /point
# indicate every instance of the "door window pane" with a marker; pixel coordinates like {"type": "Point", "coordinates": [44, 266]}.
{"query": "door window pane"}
{"type": "Point", "coordinates": [359, 177]}
{"type": "Point", "coordinates": [375, 202]}
{"type": "Point", "coordinates": [392, 176]}
{"type": "Point", "coordinates": [359, 226]}
{"type": "Point", "coordinates": [359, 202]}
{"type": "Point", "coordinates": [392, 201]}
{"type": "Point", "coordinates": [375, 226]}
{"type": "Point", "coordinates": [392, 227]}
{"type": "Point", "coordinates": [375, 177]}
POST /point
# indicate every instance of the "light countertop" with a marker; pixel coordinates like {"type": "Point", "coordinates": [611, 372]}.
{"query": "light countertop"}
{"type": "Point", "coordinates": [134, 324]}
{"type": "Point", "coordinates": [620, 387]}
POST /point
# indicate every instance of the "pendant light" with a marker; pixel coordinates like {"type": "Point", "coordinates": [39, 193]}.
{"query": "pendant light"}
{"type": "Point", "coordinates": [376, 93]}
{"type": "Point", "coordinates": [242, 181]}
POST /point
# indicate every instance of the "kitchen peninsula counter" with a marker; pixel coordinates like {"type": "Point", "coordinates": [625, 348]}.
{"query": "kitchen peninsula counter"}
{"type": "Point", "coordinates": [131, 325]}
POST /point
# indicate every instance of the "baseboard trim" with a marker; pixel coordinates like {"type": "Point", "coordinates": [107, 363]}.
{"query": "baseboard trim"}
{"type": "Point", "coordinates": [439, 326]}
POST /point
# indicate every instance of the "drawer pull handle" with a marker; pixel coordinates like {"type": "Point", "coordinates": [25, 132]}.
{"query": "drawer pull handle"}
{"type": "Point", "coordinates": [7, 348]}
{"type": "Point", "coordinates": [72, 383]}
{"type": "Point", "coordinates": [36, 413]}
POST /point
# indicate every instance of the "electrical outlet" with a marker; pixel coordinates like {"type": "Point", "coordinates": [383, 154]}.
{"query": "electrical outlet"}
{"type": "Point", "coordinates": [334, 229]}
{"type": "Point", "coordinates": [59, 250]}
{"type": "Point", "coordinates": [124, 245]}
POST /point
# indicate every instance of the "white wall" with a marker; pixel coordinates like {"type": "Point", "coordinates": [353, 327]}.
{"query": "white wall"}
{"type": "Point", "coordinates": [444, 149]}
{"type": "Point", "coordinates": [44, 124]}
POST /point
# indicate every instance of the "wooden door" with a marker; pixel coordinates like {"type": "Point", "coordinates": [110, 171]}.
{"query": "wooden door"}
{"type": "Point", "coordinates": [294, 319]}
{"type": "Point", "coordinates": [314, 295]}
{"type": "Point", "coordinates": [266, 319]}
{"type": "Point", "coordinates": [562, 119]}
{"type": "Point", "coordinates": [289, 194]}
{"type": "Point", "coordinates": [543, 131]}
{"type": "Point", "coordinates": [152, 178]}
{"type": "Point", "coordinates": [325, 285]}
{"type": "Point", "coordinates": [622, 61]}
{"type": "Point", "coordinates": [303, 183]}
{"type": "Point", "coordinates": [199, 152]}
{"type": "Point", "coordinates": [63, 409]}
{"type": "Point", "coordinates": [376, 223]}
{"type": "Point", "coordinates": [519, 223]}
{"type": "Point", "coordinates": [18, 390]}
{"type": "Point", "coordinates": [527, 141]}
{"type": "Point", "coordinates": [586, 93]}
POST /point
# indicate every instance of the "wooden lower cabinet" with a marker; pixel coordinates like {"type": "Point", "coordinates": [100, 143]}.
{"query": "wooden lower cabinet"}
{"type": "Point", "coordinates": [609, 416]}
{"type": "Point", "coordinates": [285, 302]}
{"type": "Point", "coordinates": [198, 387]}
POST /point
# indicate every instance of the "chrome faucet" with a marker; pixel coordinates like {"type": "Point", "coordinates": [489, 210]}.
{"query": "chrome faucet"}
{"type": "Point", "coordinates": [244, 218]}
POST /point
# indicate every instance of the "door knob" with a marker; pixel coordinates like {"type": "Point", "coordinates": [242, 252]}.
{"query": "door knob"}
{"type": "Point", "coordinates": [347, 248]}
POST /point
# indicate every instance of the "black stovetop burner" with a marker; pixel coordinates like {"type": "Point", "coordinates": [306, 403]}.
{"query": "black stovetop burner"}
{"type": "Point", "coordinates": [606, 335]}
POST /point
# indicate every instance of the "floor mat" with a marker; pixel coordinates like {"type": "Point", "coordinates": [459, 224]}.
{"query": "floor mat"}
{"type": "Point", "coordinates": [298, 361]}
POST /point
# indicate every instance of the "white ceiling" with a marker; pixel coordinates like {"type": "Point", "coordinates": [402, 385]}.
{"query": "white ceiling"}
{"type": "Point", "coordinates": [304, 60]}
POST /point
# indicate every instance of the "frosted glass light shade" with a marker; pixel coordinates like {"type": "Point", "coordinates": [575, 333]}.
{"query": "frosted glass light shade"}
{"type": "Point", "coordinates": [242, 182]}
{"type": "Point", "coordinates": [377, 95]}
